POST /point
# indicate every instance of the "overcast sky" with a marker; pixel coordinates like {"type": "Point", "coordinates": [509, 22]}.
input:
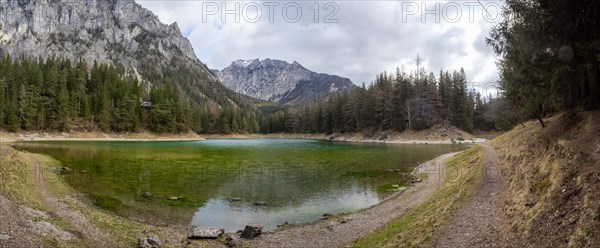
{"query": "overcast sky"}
{"type": "Point", "coordinates": [354, 39]}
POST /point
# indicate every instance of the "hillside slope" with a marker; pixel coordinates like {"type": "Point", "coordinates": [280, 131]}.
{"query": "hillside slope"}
{"type": "Point", "coordinates": [553, 180]}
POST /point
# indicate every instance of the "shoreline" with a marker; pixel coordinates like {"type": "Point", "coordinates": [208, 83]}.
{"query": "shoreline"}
{"type": "Point", "coordinates": [365, 221]}
{"type": "Point", "coordinates": [344, 229]}
{"type": "Point", "coordinates": [8, 137]}
{"type": "Point", "coordinates": [148, 137]}
{"type": "Point", "coordinates": [351, 138]}
{"type": "Point", "coordinates": [408, 137]}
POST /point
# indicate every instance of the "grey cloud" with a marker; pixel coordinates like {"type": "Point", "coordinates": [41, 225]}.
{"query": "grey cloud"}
{"type": "Point", "coordinates": [370, 37]}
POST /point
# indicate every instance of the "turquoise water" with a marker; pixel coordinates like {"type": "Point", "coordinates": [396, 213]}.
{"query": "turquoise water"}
{"type": "Point", "coordinates": [232, 182]}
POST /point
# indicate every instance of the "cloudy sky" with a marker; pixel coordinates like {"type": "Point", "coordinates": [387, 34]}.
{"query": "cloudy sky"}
{"type": "Point", "coordinates": [353, 38]}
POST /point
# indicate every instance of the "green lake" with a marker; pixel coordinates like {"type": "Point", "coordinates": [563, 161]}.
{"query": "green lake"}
{"type": "Point", "coordinates": [229, 183]}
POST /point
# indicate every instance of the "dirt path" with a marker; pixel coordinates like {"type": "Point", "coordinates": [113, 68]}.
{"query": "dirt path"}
{"type": "Point", "coordinates": [481, 221]}
{"type": "Point", "coordinates": [93, 236]}
{"type": "Point", "coordinates": [344, 230]}
{"type": "Point", "coordinates": [16, 226]}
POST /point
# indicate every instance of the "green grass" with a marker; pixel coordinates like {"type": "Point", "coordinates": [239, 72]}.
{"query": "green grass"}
{"type": "Point", "coordinates": [18, 182]}
{"type": "Point", "coordinates": [419, 226]}
{"type": "Point", "coordinates": [17, 179]}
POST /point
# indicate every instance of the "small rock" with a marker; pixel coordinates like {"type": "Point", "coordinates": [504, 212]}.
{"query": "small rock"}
{"type": "Point", "coordinates": [235, 199]}
{"type": "Point", "coordinates": [326, 216]}
{"type": "Point", "coordinates": [147, 194]}
{"type": "Point", "coordinates": [204, 232]}
{"type": "Point", "coordinates": [4, 237]}
{"type": "Point", "coordinates": [83, 171]}
{"type": "Point", "coordinates": [175, 198]}
{"type": "Point", "coordinates": [251, 231]}
{"type": "Point", "coordinates": [150, 242]}
{"type": "Point", "coordinates": [260, 203]}
{"type": "Point", "coordinates": [231, 240]}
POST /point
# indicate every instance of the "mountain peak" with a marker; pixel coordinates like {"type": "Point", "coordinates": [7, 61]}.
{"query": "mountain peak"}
{"type": "Point", "coordinates": [279, 81]}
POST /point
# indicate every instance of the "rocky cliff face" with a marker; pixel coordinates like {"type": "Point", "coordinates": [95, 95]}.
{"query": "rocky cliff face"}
{"type": "Point", "coordinates": [281, 82]}
{"type": "Point", "coordinates": [118, 32]}
{"type": "Point", "coordinates": [105, 31]}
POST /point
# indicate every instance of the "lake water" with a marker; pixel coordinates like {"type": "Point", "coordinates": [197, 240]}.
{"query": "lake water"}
{"type": "Point", "coordinates": [229, 183]}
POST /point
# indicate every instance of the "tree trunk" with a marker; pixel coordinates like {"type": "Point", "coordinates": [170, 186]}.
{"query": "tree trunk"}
{"type": "Point", "coordinates": [541, 121]}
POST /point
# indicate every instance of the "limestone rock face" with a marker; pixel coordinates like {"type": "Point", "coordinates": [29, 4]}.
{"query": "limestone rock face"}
{"type": "Point", "coordinates": [117, 32]}
{"type": "Point", "coordinates": [106, 31]}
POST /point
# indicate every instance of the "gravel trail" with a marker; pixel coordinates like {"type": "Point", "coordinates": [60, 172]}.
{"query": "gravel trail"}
{"type": "Point", "coordinates": [481, 221]}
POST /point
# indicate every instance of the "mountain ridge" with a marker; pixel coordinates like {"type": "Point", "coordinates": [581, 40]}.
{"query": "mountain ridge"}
{"type": "Point", "coordinates": [281, 82]}
{"type": "Point", "coordinates": [173, 90]}
{"type": "Point", "coordinates": [121, 33]}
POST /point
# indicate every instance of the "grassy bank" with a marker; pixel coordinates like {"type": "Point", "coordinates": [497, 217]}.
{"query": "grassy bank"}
{"type": "Point", "coordinates": [553, 179]}
{"type": "Point", "coordinates": [421, 224]}
{"type": "Point", "coordinates": [20, 183]}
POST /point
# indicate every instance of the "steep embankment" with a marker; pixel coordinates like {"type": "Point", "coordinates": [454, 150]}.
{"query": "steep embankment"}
{"type": "Point", "coordinates": [552, 178]}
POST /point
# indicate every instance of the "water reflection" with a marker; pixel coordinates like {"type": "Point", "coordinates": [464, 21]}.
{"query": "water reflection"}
{"type": "Point", "coordinates": [300, 180]}
{"type": "Point", "coordinates": [233, 215]}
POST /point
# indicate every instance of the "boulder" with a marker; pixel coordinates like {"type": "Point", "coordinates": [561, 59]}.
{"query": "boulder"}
{"type": "Point", "coordinates": [204, 232]}
{"type": "Point", "coordinates": [251, 231]}
{"type": "Point", "coordinates": [231, 240]}
{"type": "Point", "coordinates": [149, 242]}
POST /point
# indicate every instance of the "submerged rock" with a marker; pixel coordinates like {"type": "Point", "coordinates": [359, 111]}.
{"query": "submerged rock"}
{"type": "Point", "coordinates": [149, 242]}
{"type": "Point", "coordinates": [260, 203]}
{"type": "Point", "coordinates": [204, 232]}
{"type": "Point", "coordinates": [251, 231]}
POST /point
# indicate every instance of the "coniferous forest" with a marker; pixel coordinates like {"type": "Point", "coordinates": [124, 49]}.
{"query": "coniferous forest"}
{"type": "Point", "coordinates": [59, 95]}
{"type": "Point", "coordinates": [398, 101]}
